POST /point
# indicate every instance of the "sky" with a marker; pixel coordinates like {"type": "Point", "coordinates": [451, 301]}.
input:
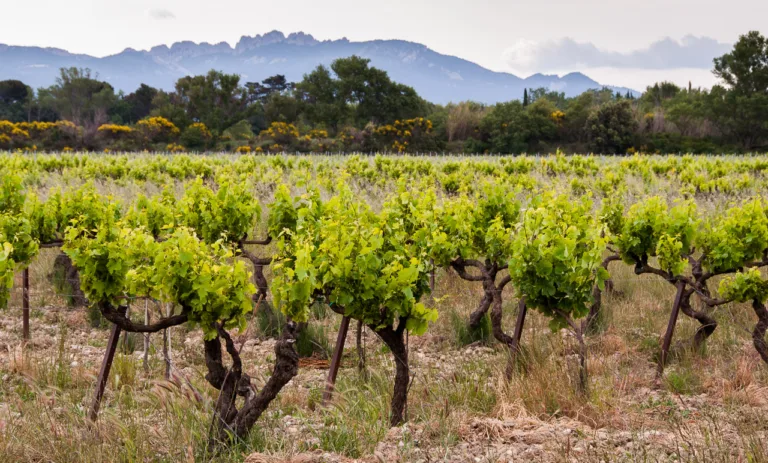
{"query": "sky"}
{"type": "Point", "coordinates": [616, 42]}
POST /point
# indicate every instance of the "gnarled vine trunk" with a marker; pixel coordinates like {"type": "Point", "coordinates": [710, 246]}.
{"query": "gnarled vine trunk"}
{"type": "Point", "coordinates": [708, 323]}
{"type": "Point", "coordinates": [476, 317]}
{"type": "Point", "coordinates": [394, 338]}
{"type": "Point", "coordinates": [229, 421]}
{"type": "Point", "coordinates": [595, 310]}
{"type": "Point", "coordinates": [259, 280]}
{"type": "Point", "coordinates": [66, 279]}
{"type": "Point", "coordinates": [493, 300]}
{"type": "Point", "coordinates": [758, 334]}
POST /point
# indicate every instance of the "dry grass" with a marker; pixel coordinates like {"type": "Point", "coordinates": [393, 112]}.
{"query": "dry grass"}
{"type": "Point", "coordinates": [710, 407]}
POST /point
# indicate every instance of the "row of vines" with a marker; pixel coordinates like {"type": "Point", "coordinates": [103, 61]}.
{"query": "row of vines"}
{"type": "Point", "coordinates": [201, 244]}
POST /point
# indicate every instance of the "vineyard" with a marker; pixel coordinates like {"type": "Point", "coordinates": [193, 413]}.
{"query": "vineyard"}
{"type": "Point", "coordinates": [383, 308]}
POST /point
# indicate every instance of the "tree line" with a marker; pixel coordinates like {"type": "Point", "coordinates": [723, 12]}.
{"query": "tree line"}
{"type": "Point", "coordinates": [352, 106]}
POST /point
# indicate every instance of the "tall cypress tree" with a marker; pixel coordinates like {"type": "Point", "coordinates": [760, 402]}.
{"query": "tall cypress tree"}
{"type": "Point", "coordinates": [525, 98]}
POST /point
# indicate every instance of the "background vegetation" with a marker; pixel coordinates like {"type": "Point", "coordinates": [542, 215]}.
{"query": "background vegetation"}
{"type": "Point", "coordinates": [355, 107]}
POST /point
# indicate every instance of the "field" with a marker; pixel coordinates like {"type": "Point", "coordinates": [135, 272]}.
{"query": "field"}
{"type": "Point", "coordinates": [476, 233]}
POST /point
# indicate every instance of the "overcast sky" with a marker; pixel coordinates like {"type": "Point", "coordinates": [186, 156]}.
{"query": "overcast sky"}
{"type": "Point", "coordinates": [619, 42]}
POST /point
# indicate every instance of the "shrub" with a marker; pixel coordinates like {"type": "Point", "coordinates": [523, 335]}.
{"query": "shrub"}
{"type": "Point", "coordinates": [196, 136]}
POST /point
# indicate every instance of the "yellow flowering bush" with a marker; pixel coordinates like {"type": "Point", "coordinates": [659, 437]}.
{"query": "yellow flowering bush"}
{"type": "Point", "coordinates": [20, 133]}
{"type": "Point", "coordinates": [174, 148]}
{"type": "Point", "coordinates": [156, 129]}
{"type": "Point", "coordinates": [204, 132]}
{"type": "Point", "coordinates": [38, 129]}
{"type": "Point", "coordinates": [6, 127]}
{"type": "Point", "coordinates": [65, 125]}
{"type": "Point", "coordinates": [401, 135]}
{"type": "Point", "coordinates": [281, 133]}
{"type": "Point", "coordinates": [558, 117]}
{"type": "Point", "coordinates": [315, 134]}
{"type": "Point", "coordinates": [115, 129]}
{"type": "Point", "coordinates": [13, 136]}
{"type": "Point", "coordinates": [245, 149]}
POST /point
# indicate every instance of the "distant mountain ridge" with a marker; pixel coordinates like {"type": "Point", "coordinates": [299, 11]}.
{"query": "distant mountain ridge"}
{"type": "Point", "coordinates": [436, 77]}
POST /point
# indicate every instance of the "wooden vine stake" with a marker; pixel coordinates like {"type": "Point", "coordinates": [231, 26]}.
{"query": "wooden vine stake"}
{"type": "Point", "coordinates": [432, 277]}
{"type": "Point", "coordinates": [125, 335]}
{"type": "Point", "coordinates": [106, 365]}
{"type": "Point", "coordinates": [146, 338]}
{"type": "Point", "coordinates": [25, 305]}
{"type": "Point", "coordinates": [670, 329]}
{"type": "Point", "coordinates": [360, 348]}
{"type": "Point", "coordinates": [336, 360]}
{"type": "Point", "coordinates": [522, 310]}
{"type": "Point", "coordinates": [167, 345]}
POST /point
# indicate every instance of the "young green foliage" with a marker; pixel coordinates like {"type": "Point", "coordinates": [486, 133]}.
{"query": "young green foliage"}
{"type": "Point", "coordinates": [158, 214]}
{"type": "Point", "coordinates": [556, 256]}
{"type": "Point", "coordinates": [7, 268]}
{"type": "Point", "coordinates": [735, 238]}
{"type": "Point", "coordinates": [229, 213]}
{"type": "Point", "coordinates": [204, 279]}
{"type": "Point", "coordinates": [120, 262]}
{"type": "Point", "coordinates": [11, 193]}
{"type": "Point", "coordinates": [651, 228]}
{"type": "Point", "coordinates": [745, 286]}
{"type": "Point", "coordinates": [363, 263]}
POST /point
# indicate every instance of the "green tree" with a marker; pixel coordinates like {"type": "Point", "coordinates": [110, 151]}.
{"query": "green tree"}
{"type": "Point", "coordinates": [140, 103]}
{"type": "Point", "coordinates": [373, 96]}
{"type": "Point", "coordinates": [281, 108]}
{"type": "Point", "coordinates": [745, 69]}
{"type": "Point", "coordinates": [215, 99]}
{"type": "Point", "coordinates": [742, 110]}
{"type": "Point", "coordinates": [501, 128]}
{"type": "Point", "coordinates": [556, 98]}
{"type": "Point", "coordinates": [657, 95]}
{"type": "Point", "coordinates": [686, 111]}
{"type": "Point", "coordinates": [262, 91]}
{"type": "Point", "coordinates": [79, 96]}
{"type": "Point", "coordinates": [14, 95]}
{"type": "Point", "coordinates": [511, 128]}
{"type": "Point", "coordinates": [319, 94]}
{"type": "Point", "coordinates": [611, 128]}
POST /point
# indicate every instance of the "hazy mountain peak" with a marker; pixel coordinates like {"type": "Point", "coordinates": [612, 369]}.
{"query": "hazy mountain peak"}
{"type": "Point", "coordinates": [300, 38]}
{"type": "Point", "coordinates": [159, 50]}
{"type": "Point", "coordinates": [249, 43]}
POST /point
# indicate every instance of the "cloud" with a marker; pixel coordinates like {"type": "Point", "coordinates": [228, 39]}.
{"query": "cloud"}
{"type": "Point", "coordinates": [161, 14]}
{"type": "Point", "coordinates": [567, 54]}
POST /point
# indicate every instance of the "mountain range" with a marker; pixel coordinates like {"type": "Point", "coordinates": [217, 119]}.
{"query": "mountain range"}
{"type": "Point", "coordinates": [436, 77]}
